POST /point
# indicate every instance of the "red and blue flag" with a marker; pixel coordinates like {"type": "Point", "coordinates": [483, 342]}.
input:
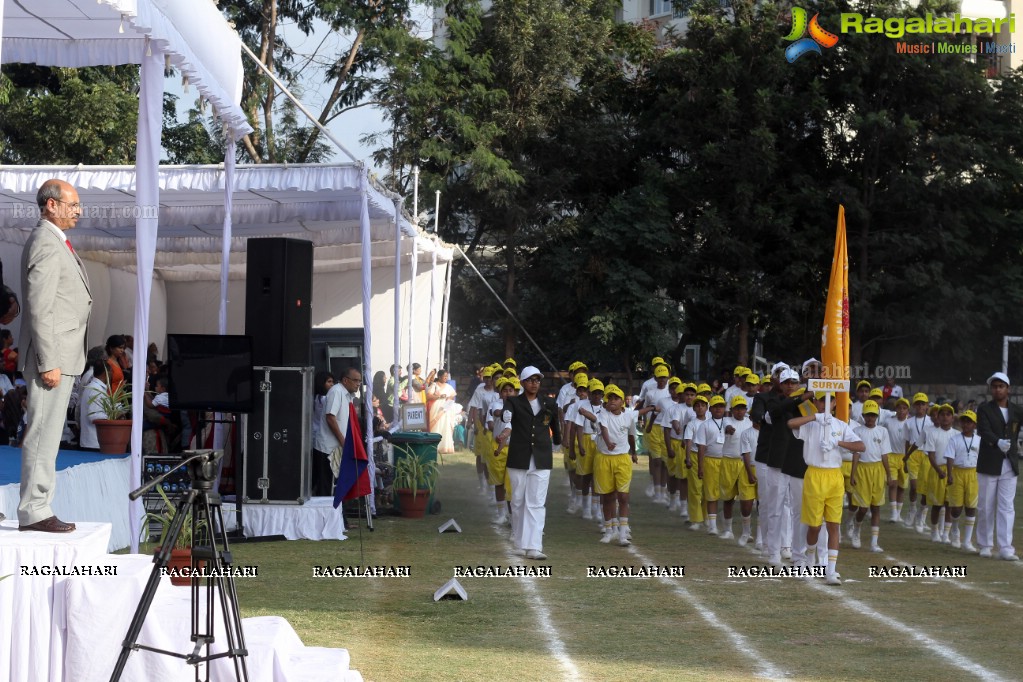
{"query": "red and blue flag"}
{"type": "Point", "coordinates": [353, 473]}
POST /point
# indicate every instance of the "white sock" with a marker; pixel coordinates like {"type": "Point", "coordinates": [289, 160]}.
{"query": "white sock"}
{"type": "Point", "coordinates": [712, 520]}
{"type": "Point", "coordinates": [587, 502]}
{"type": "Point", "coordinates": [874, 532]}
{"type": "Point", "coordinates": [968, 530]}
{"type": "Point", "coordinates": [746, 522]}
{"type": "Point", "coordinates": [623, 523]}
{"type": "Point", "coordinates": [898, 509]}
{"type": "Point", "coordinates": [948, 527]}
{"type": "Point", "coordinates": [832, 560]}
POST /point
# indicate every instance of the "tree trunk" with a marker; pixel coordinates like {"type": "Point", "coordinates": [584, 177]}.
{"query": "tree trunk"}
{"type": "Point", "coordinates": [744, 340]}
{"type": "Point", "coordinates": [510, 330]}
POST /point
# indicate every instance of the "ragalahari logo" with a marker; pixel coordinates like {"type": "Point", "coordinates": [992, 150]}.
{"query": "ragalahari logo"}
{"type": "Point", "coordinates": [818, 36]}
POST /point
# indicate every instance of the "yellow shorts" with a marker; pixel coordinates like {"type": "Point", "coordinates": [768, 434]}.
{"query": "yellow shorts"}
{"type": "Point", "coordinates": [694, 490]}
{"type": "Point", "coordinates": [846, 473]}
{"type": "Point", "coordinates": [671, 463]}
{"type": "Point", "coordinates": [734, 482]}
{"type": "Point", "coordinates": [897, 462]}
{"type": "Point", "coordinates": [497, 467]}
{"type": "Point", "coordinates": [964, 491]}
{"type": "Point", "coordinates": [923, 478]}
{"type": "Point", "coordinates": [584, 457]}
{"type": "Point", "coordinates": [711, 479]}
{"type": "Point", "coordinates": [484, 445]}
{"type": "Point", "coordinates": [914, 465]}
{"type": "Point", "coordinates": [611, 473]}
{"type": "Point", "coordinates": [822, 496]}
{"type": "Point", "coordinates": [937, 487]}
{"type": "Point", "coordinates": [677, 468]}
{"type": "Point", "coordinates": [870, 489]}
{"type": "Point", "coordinates": [655, 443]}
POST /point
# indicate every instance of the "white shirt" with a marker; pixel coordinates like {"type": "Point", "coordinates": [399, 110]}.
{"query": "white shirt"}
{"type": "Point", "coordinates": [937, 442]}
{"type": "Point", "coordinates": [731, 392]}
{"type": "Point", "coordinates": [877, 441]}
{"type": "Point", "coordinates": [91, 411]}
{"type": "Point", "coordinates": [916, 431]}
{"type": "Point", "coordinates": [963, 451]}
{"type": "Point", "coordinates": [711, 433]}
{"type": "Point", "coordinates": [619, 428]}
{"type": "Point", "coordinates": [749, 440]}
{"type": "Point", "coordinates": [896, 435]}
{"type": "Point", "coordinates": [337, 402]}
{"type": "Point", "coordinates": [566, 395]}
{"type": "Point", "coordinates": [856, 412]}
{"type": "Point", "coordinates": [810, 433]}
{"type": "Point", "coordinates": [496, 423]}
{"type": "Point", "coordinates": [162, 400]}
{"type": "Point", "coordinates": [648, 385]}
{"type": "Point", "coordinates": [732, 447]}
{"type": "Point", "coordinates": [588, 427]}
{"type": "Point", "coordinates": [655, 395]}
{"type": "Point", "coordinates": [665, 408]}
{"type": "Point", "coordinates": [318, 424]}
{"type": "Point", "coordinates": [675, 413]}
{"type": "Point", "coordinates": [896, 392]}
{"type": "Point", "coordinates": [690, 431]}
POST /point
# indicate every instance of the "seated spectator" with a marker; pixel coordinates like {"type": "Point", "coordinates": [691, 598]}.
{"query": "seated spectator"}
{"type": "Point", "coordinates": [117, 361]}
{"type": "Point", "coordinates": [89, 407]}
{"type": "Point", "coordinates": [159, 432]}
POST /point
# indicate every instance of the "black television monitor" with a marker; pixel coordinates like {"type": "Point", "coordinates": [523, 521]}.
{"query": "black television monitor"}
{"type": "Point", "coordinates": [210, 372]}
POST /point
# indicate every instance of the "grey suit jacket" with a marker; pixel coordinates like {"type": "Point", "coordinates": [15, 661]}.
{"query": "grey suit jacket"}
{"type": "Point", "coordinates": [57, 302]}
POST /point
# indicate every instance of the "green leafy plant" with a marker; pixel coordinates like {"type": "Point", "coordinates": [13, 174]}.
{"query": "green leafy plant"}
{"type": "Point", "coordinates": [166, 518]}
{"type": "Point", "coordinates": [114, 404]}
{"type": "Point", "coordinates": [415, 473]}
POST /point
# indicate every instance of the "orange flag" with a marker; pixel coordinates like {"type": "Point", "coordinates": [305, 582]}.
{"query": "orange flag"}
{"type": "Point", "coordinates": [835, 332]}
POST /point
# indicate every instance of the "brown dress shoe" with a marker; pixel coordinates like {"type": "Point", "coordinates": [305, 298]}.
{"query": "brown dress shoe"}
{"type": "Point", "coordinates": [50, 525]}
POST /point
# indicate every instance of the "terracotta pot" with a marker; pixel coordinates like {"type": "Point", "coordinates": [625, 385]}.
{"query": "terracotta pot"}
{"type": "Point", "coordinates": [113, 435]}
{"type": "Point", "coordinates": [412, 508]}
{"type": "Point", "coordinates": [180, 558]}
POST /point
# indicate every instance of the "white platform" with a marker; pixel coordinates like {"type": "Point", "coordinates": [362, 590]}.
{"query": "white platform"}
{"type": "Point", "coordinates": [70, 629]}
{"type": "Point", "coordinates": [315, 520]}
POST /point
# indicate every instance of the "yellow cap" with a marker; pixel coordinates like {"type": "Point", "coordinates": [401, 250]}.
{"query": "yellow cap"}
{"type": "Point", "coordinates": [661, 371]}
{"type": "Point", "coordinates": [862, 382]}
{"type": "Point", "coordinates": [689, 387]}
{"type": "Point", "coordinates": [741, 371]}
{"type": "Point", "coordinates": [946, 406]}
{"type": "Point", "coordinates": [509, 361]}
{"type": "Point", "coordinates": [611, 390]}
{"type": "Point", "coordinates": [921, 398]}
{"type": "Point", "coordinates": [658, 361]}
{"type": "Point", "coordinates": [581, 380]}
{"type": "Point", "coordinates": [510, 372]}
{"type": "Point", "coordinates": [499, 384]}
{"type": "Point", "coordinates": [752, 378]}
{"type": "Point", "coordinates": [716, 400]}
{"type": "Point", "coordinates": [703, 388]}
{"type": "Point", "coordinates": [870, 407]}
{"type": "Point", "coordinates": [876, 393]}
{"type": "Point", "coordinates": [575, 365]}
{"type": "Point", "coordinates": [515, 383]}
{"type": "Point", "coordinates": [820, 395]}
{"type": "Point", "coordinates": [680, 388]}
{"type": "Point", "coordinates": [902, 401]}
{"type": "Point", "coordinates": [488, 372]}
{"type": "Point", "coordinates": [739, 401]}
{"type": "Point", "coordinates": [969, 414]}
{"type": "Point", "coordinates": [596, 385]}
{"type": "Point", "coordinates": [700, 399]}
{"type": "Point", "coordinates": [674, 380]}
{"type": "Point", "coordinates": [933, 408]}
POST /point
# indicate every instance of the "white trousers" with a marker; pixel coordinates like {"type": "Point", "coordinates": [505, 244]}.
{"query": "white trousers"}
{"type": "Point", "coordinates": [995, 513]}
{"type": "Point", "coordinates": [763, 494]}
{"type": "Point", "coordinates": [528, 503]}
{"type": "Point", "coordinates": [779, 530]}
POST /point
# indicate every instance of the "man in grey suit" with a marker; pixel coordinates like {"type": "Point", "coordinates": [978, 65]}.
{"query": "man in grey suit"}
{"type": "Point", "coordinates": [57, 302]}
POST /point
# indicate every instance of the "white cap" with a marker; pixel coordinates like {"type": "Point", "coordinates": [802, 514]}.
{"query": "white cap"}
{"type": "Point", "coordinates": [778, 367]}
{"type": "Point", "coordinates": [529, 372]}
{"type": "Point", "coordinates": [999, 376]}
{"type": "Point", "coordinates": [811, 361]}
{"type": "Point", "coordinates": [788, 375]}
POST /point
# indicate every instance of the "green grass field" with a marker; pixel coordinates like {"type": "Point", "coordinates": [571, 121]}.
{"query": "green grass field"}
{"type": "Point", "coordinates": [703, 626]}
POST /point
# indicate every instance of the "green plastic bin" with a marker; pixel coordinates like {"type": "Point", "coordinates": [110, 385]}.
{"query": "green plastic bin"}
{"type": "Point", "coordinates": [423, 445]}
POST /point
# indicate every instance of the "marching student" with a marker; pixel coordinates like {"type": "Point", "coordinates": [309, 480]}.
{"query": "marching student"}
{"type": "Point", "coordinates": [896, 428]}
{"type": "Point", "coordinates": [916, 433]}
{"type": "Point", "coordinates": [736, 478]}
{"type": "Point", "coordinates": [680, 416]}
{"type": "Point", "coordinates": [752, 386]}
{"type": "Point", "coordinates": [961, 474]}
{"type": "Point", "coordinates": [587, 431]}
{"type": "Point", "coordinates": [483, 445]}
{"type": "Point", "coordinates": [650, 383]}
{"type": "Point", "coordinates": [862, 395]}
{"type": "Point", "coordinates": [871, 474]}
{"type": "Point", "coordinates": [612, 471]}
{"type": "Point", "coordinates": [936, 444]}
{"type": "Point", "coordinates": [757, 415]}
{"type": "Point", "coordinates": [581, 500]}
{"type": "Point", "coordinates": [694, 482]}
{"type": "Point", "coordinates": [998, 422]}
{"type": "Point", "coordinates": [498, 460]}
{"type": "Point", "coordinates": [782, 447]}
{"type": "Point", "coordinates": [748, 448]}
{"type": "Point", "coordinates": [823, 435]}
{"type": "Point", "coordinates": [567, 396]}
{"type": "Point", "coordinates": [664, 411]}
{"type": "Point", "coordinates": [654, 437]}
{"type": "Point", "coordinates": [710, 439]}
{"type": "Point", "coordinates": [738, 386]}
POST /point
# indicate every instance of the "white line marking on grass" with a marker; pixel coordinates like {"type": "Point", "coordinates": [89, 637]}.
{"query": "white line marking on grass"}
{"type": "Point", "coordinates": [739, 641]}
{"type": "Point", "coordinates": [961, 585]}
{"type": "Point", "coordinates": [942, 649]}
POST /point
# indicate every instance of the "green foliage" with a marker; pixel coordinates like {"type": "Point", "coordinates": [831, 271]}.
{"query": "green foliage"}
{"type": "Point", "coordinates": [115, 404]}
{"type": "Point", "coordinates": [413, 472]}
{"type": "Point", "coordinates": [166, 517]}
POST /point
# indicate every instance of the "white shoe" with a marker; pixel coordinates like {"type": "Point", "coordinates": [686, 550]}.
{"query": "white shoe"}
{"type": "Point", "coordinates": [833, 579]}
{"type": "Point", "coordinates": [935, 535]}
{"type": "Point", "coordinates": [502, 517]}
{"type": "Point", "coordinates": [774, 560]}
{"type": "Point", "coordinates": [728, 535]}
{"type": "Point", "coordinates": [712, 530]}
{"type": "Point", "coordinates": [921, 527]}
{"type": "Point", "coordinates": [607, 536]}
{"type": "Point", "coordinates": [759, 546]}
{"type": "Point", "coordinates": [623, 537]}
{"type": "Point", "coordinates": [1009, 557]}
{"type": "Point", "coordinates": [786, 553]}
{"type": "Point", "coordinates": [650, 490]}
{"type": "Point", "coordinates": [895, 518]}
{"type": "Point", "coordinates": [945, 538]}
{"type": "Point", "coordinates": [588, 513]}
{"type": "Point", "coordinates": [684, 513]}
{"type": "Point", "coordinates": [968, 547]}
{"type": "Point", "coordinates": [854, 539]}
{"type": "Point", "coordinates": [536, 555]}
{"type": "Point", "coordinates": [696, 526]}
{"type": "Point", "coordinates": [986, 552]}
{"type": "Point", "coordinates": [628, 532]}
{"type": "Point", "coordinates": [572, 507]}
{"type": "Point", "coordinates": [673, 505]}
{"type": "Point", "coordinates": [743, 539]}
{"type": "Point", "coordinates": [665, 500]}
{"type": "Point", "coordinates": [876, 549]}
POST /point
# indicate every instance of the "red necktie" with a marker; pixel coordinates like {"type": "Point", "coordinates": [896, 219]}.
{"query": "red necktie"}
{"type": "Point", "coordinates": [69, 245]}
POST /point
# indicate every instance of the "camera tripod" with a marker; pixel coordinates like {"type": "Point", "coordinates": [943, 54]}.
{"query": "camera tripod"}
{"type": "Point", "coordinates": [210, 554]}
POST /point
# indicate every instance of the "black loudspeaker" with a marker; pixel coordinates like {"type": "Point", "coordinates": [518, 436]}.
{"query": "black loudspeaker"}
{"type": "Point", "coordinates": [277, 434]}
{"type": "Point", "coordinates": [278, 297]}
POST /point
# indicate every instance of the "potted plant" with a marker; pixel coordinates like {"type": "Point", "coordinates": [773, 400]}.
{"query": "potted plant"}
{"type": "Point", "coordinates": [181, 553]}
{"type": "Point", "coordinates": [114, 431]}
{"type": "Point", "coordinates": [414, 481]}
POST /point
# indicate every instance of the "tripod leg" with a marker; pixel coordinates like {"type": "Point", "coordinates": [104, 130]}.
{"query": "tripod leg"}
{"type": "Point", "coordinates": [160, 561]}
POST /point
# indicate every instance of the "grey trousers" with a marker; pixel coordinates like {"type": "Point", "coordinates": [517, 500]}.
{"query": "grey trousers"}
{"type": "Point", "coordinates": [47, 412]}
